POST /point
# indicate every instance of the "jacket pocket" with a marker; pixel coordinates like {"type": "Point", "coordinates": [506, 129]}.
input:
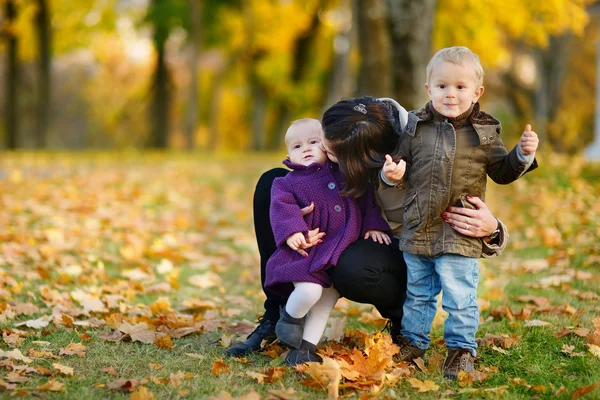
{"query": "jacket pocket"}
{"type": "Point", "coordinates": [412, 216]}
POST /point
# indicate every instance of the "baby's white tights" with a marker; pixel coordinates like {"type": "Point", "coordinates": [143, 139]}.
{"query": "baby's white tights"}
{"type": "Point", "coordinates": [316, 301]}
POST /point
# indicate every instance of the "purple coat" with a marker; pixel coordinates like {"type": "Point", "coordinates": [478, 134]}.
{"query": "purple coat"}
{"type": "Point", "coordinates": [343, 218]}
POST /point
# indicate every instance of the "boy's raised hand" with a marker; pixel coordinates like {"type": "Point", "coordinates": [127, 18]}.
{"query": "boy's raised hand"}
{"type": "Point", "coordinates": [392, 171]}
{"type": "Point", "coordinates": [529, 141]}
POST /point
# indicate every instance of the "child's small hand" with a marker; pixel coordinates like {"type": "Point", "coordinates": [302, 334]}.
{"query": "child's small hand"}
{"type": "Point", "coordinates": [378, 236]}
{"type": "Point", "coordinates": [392, 171]}
{"type": "Point", "coordinates": [297, 242]}
{"type": "Point", "coordinates": [529, 141]}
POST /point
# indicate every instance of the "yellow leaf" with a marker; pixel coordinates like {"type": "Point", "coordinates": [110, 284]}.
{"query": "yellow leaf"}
{"type": "Point", "coordinates": [595, 350]}
{"type": "Point", "coordinates": [77, 349]}
{"type": "Point", "coordinates": [260, 378]}
{"type": "Point", "coordinates": [164, 342]}
{"type": "Point", "coordinates": [219, 367]}
{"type": "Point", "coordinates": [423, 386]}
{"type": "Point", "coordinates": [63, 369]}
{"type": "Point", "coordinates": [142, 394]}
{"type": "Point", "coordinates": [51, 386]}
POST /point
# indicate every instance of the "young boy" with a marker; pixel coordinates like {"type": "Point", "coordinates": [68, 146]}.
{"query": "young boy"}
{"type": "Point", "coordinates": [449, 147]}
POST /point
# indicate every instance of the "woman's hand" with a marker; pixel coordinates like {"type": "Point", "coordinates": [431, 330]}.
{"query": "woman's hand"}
{"type": "Point", "coordinates": [476, 223]}
{"type": "Point", "coordinates": [378, 236]}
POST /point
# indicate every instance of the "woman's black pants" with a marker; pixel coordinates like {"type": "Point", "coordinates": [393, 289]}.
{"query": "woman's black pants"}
{"type": "Point", "coordinates": [367, 272]}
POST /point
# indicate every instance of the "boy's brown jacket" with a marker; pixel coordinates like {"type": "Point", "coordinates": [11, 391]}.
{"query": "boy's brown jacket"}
{"type": "Point", "coordinates": [443, 167]}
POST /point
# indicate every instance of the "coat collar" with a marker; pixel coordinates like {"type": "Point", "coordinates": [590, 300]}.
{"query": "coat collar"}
{"type": "Point", "coordinates": [314, 168]}
{"type": "Point", "coordinates": [484, 124]}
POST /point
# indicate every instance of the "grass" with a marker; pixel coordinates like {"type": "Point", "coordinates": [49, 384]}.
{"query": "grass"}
{"type": "Point", "coordinates": [130, 211]}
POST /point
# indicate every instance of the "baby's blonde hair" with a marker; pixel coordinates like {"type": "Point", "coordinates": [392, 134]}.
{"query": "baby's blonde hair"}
{"type": "Point", "coordinates": [311, 124]}
{"type": "Point", "coordinates": [456, 55]}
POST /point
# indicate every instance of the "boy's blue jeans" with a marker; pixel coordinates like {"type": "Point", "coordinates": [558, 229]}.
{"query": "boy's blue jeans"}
{"type": "Point", "coordinates": [458, 277]}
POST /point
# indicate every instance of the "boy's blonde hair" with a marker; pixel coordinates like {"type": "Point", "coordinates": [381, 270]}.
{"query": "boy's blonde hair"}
{"type": "Point", "coordinates": [314, 125]}
{"type": "Point", "coordinates": [456, 55]}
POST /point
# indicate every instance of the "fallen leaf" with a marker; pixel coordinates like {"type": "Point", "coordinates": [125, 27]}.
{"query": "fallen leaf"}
{"type": "Point", "coordinates": [164, 342]}
{"type": "Point", "coordinates": [206, 280]}
{"type": "Point", "coordinates": [77, 349]}
{"type": "Point", "coordinates": [257, 376]}
{"type": "Point", "coordinates": [582, 391]}
{"type": "Point", "coordinates": [63, 369]}
{"type": "Point", "coordinates": [142, 394]}
{"type": "Point", "coordinates": [595, 350]}
{"type": "Point", "coordinates": [51, 386]}
{"type": "Point", "coordinates": [123, 384]}
{"type": "Point", "coordinates": [110, 371]}
{"type": "Point", "coordinates": [423, 386]}
{"type": "Point", "coordinates": [15, 355]}
{"type": "Point", "coordinates": [219, 367]}
{"type": "Point", "coordinates": [536, 322]}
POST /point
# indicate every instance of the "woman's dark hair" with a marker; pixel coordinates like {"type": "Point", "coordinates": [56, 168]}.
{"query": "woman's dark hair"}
{"type": "Point", "coordinates": [360, 131]}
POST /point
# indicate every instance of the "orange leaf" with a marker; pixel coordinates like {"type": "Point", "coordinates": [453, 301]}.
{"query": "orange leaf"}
{"type": "Point", "coordinates": [423, 386]}
{"type": "Point", "coordinates": [582, 391]}
{"type": "Point", "coordinates": [51, 386]}
{"type": "Point", "coordinates": [219, 367]}
{"type": "Point", "coordinates": [164, 342]}
{"type": "Point", "coordinates": [142, 394]}
{"type": "Point", "coordinates": [77, 349]}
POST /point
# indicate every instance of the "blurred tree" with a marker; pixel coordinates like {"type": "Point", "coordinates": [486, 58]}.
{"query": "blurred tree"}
{"type": "Point", "coordinates": [375, 44]}
{"type": "Point", "coordinates": [42, 27]}
{"type": "Point", "coordinates": [302, 47]}
{"type": "Point", "coordinates": [195, 45]}
{"type": "Point", "coordinates": [12, 74]}
{"type": "Point", "coordinates": [412, 23]}
{"type": "Point", "coordinates": [529, 43]}
{"type": "Point", "coordinates": [163, 16]}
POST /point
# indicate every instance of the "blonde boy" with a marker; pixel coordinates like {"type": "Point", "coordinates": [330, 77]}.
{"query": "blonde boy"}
{"type": "Point", "coordinates": [450, 147]}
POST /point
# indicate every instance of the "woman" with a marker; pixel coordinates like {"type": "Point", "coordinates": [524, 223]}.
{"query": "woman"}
{"type": "Point", "coordinates": [359, 132]}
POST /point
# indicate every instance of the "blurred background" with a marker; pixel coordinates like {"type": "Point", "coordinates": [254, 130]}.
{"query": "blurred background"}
{"type": "Point", "coordinates": [231, 74]}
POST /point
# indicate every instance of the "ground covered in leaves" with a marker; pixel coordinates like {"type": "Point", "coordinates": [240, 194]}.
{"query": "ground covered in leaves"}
{"type": "Point", "coordinates": [126, 276]}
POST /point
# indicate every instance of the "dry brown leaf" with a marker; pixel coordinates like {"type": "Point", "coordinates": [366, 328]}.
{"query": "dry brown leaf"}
{"type": "Point", "coordinates": [123, 384]}
{"type": "Point", "coordinates": [536, 322]}
{"type": "Point", "coordinates": [219, 367]}
{"type": "Point", "coordinates": [110, 371]}
{"type": "Point", "coordinates": [15, 354]}
{"type": "Point", "coordinates": [155, 367]}
{"type": "Point", "coordinates": [327, 373]}
{"type": "Point", "coordinates": [14, 377]}
{"type": "Point", "coordinates": [142, 394]}
{"type": "Point", "coordinates": [260, 378]}
{"type": "Point", "coordinates": [140, 332]}
{"type": "Point", "coordinates": [164, 342]}
{"type": "Point", "coordinates": [7, 385]}
{"type": "Point", "coordinates": [51, 386]}
{"type": "Point", "coordinates": [175, 379]}
{"type": "Point", "coordinates": [63, 369]}
{"type": "Point", "coordinates": [423, 386]}
{"type": "Point", "coordinates": [77, 349]}
{"type": "Point", "coordinates": [595, 350]}
{"type": "Point", "coordinates": [582, 391]}
{"type": "Point", "coordinates": [464, 379]}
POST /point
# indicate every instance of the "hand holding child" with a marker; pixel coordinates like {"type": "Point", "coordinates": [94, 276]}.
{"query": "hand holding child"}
{"type": "Point", "coordinates": [392, 171]}
{"type": "Point", "coordinates": [378, 236]}
{"type": "Point", "coordinates": [529, 141]}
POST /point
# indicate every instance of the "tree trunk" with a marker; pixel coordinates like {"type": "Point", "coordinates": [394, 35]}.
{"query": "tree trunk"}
{"type": "Point", "coordinates": [411, 24]}
{"type": "Point", "coordinates": [161, 101]}
{"type": "Point", "coordinates": [375, 76]}
{"type": "Point", "coordinates": [12, 78]}
{"type": "Point", "coordinates": [552, 66]}
{"type": "Point", "coordinates": [42, 24]}
{"type": "Point", "coordinates": [191, 118]}
{"type": "Point", "coordinates": [258, 110]}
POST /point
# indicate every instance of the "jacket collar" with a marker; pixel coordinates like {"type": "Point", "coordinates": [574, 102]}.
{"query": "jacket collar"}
{"type": "Point", "coordinates": [314, 168]}
{"type": "Point", "coordinates": [484, 124]}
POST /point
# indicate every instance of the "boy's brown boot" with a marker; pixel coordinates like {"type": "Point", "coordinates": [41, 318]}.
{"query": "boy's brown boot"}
{"type": "Point", "coordinates": [408, 352]}
{"type": "Point", "coordinates": [458, 360]}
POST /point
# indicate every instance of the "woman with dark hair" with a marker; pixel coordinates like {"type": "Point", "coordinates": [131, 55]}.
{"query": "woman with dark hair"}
{"type": "Point", "coordinates": [359, 132]}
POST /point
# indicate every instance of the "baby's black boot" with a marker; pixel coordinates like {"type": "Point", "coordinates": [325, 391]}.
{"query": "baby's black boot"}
{"type": "Point", "coordinates": [289, 329]}
{"type": "Point", "coordinates": [306, 353]}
